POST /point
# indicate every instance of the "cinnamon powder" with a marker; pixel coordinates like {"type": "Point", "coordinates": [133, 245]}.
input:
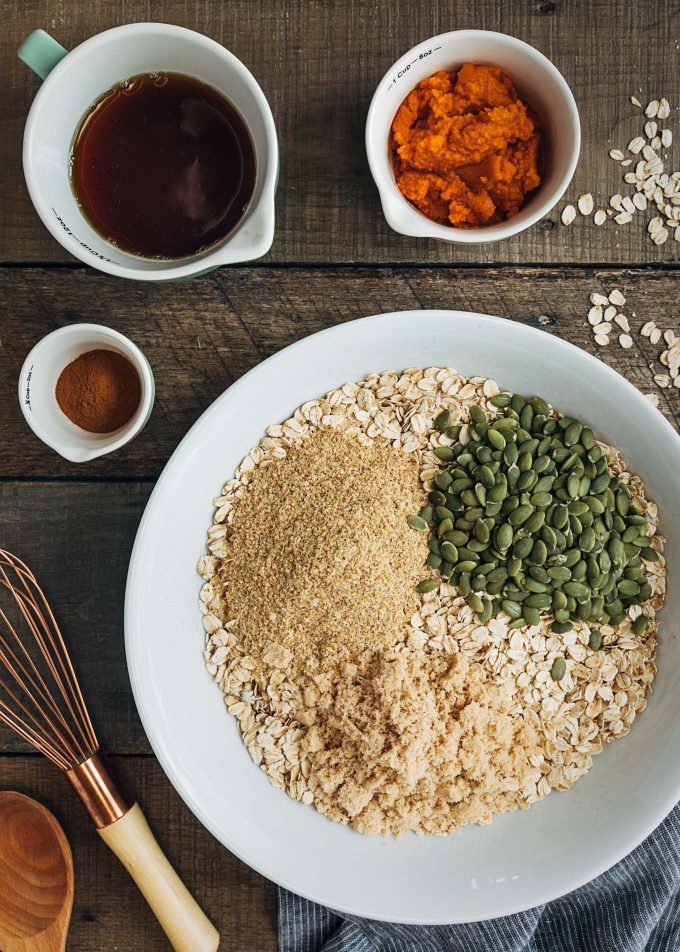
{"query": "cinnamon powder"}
{"type": "Point", "coordinates": [99, 391]}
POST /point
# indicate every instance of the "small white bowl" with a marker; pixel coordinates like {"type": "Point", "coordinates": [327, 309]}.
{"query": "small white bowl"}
{"type": "Point", "coordinates": [538, 82]}
{"type": "Point", "coordinates": [38, 380]}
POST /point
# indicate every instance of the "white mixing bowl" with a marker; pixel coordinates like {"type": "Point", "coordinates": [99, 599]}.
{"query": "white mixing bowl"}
{"type": "Point", "coordinates": [523, 858]}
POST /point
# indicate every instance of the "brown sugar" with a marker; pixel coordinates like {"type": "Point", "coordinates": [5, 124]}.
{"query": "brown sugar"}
{"type": "Point", "coordinates": [466, 149]}
{"type": "Point", "coordinates": [411, 741]}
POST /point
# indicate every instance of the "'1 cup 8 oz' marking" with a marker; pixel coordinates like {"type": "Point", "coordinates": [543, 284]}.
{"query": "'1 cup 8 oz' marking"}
{"type": "Point", "coordinates": [405, 69]}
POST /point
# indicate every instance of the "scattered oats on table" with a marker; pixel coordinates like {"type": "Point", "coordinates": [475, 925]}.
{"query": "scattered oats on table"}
{"type": "Point", "coordinates": [568, 214]}
{"type": "Point", "coordinates": [654, 185]}
{"type": "Point", "coordinates": [585, 204]}
{"type": "Point", "coordinates": [320, 733]}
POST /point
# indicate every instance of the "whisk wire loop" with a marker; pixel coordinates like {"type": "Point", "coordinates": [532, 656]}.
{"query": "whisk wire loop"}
{"type": "Point", "coordinates": [40, 698]}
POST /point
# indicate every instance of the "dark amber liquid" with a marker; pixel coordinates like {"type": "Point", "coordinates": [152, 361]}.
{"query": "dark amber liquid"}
{"type": "Point", "coordinates": [163, 166]}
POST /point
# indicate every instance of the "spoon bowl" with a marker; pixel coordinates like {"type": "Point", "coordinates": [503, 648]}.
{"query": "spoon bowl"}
{"type": "Point", "coordinates": [36, 877]}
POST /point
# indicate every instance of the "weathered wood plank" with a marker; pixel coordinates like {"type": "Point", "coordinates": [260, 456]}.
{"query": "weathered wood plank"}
{"type": "Point", "coordinates": [77, 538]}
{"type": "Point", "coordinates": [109, 913]}
{"type": "Point", "coordinates": [201, 337]}
{"type": "Point", "coordinates": [319, 64]}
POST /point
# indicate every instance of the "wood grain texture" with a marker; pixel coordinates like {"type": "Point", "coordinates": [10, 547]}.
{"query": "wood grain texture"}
{"type": "Point", "coordinates": [109, 913]}
{"type": "Point", "coordinates": [36, 877]}
{"type": "Point", "coordinates": [319, 63]}
{"type": "Point", "coordinates": [77, 539]}
{"type": "Point", "coordinates": [200, 337]}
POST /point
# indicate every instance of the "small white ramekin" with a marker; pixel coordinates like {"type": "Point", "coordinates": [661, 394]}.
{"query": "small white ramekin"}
{"type": "Point", "coordinates": [38, 381]}
{"type": "Point", "coordinates": [538, 82]}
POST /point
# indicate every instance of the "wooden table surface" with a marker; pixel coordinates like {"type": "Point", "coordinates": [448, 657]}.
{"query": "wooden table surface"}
{"type": "Point", "coordinates": [333, 259]}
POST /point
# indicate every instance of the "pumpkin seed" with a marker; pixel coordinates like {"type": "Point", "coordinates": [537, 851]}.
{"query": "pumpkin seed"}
{"type": "Point", "coordinates": [500, 400]}
{"type": "Point", "coordinates": [477, 414]}
{"type": "Point", "coordinates": [587, 539]}
{"type": "Point", "coordinates": [449, 552]}
{"type": "Point", "coordinates": [520, 515]}
{"type": "Point", "coordinates": [510, 454]}
{"type": "Point", "coordinates": [511, 608]}
{"type": "Point", "coordinates": [418, 523]}
{"type": "Point", "coordinates": [496, 439]}
{"type": "Point", "coordinates": [628, 588]}
{"type": "Point", "coordinates": [572, 433]}
{"type": "Point", "coordinates": [504, 536]}
{"type": "Point", "coordinates": [427, 585]}
{"type": "Point", "coordinates": [527, 480]}
{"type": "Point", "coordinates": [535, 521]}
{"type": "Point", "coordinates": [444, 453]}
{"type": "Point", "coordinates": [486, 476]}
{"type": "Point", "coordinates": [442, 420]}
{"type": "Point", "coordinates": [538, 600]}
{"type": "Point", "coordinates": [595, 640]}
{"type": "Point", "coordinates": [540, 406]}
{"type": "Point", "coordinates": [577, 589]}
{"type": "Point", "coordinates": [559, 669]}
{"type": "Point", "coordinates": [465, 565]}
{"type": "Point", "coordinates": [640, 624]}
{"type": "Point", "coordinates": [491, 607]}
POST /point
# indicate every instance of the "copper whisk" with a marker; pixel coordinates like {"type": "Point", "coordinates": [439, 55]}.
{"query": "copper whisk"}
{"type": "Point", "coordinates": [41, 700]}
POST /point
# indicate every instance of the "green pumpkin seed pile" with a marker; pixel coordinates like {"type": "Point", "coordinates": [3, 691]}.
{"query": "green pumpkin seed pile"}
{"type": "Point", "coordinates": [529, 515]}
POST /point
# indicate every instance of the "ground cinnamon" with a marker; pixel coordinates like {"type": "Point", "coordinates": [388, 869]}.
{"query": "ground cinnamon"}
{"type": "Point", "coordinates": [99, 391]}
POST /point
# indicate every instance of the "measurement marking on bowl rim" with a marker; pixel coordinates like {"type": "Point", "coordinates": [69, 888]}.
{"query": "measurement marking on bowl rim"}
{"type": "Point", "coordinates": [402, 72]}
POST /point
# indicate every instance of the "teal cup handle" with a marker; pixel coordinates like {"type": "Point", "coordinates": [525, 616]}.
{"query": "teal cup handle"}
{"type": "Point", "coordinates": [41, 53]}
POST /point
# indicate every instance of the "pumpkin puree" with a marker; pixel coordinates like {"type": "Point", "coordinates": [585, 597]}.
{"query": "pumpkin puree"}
{"type": "Point", "coordinates": [465, 148]}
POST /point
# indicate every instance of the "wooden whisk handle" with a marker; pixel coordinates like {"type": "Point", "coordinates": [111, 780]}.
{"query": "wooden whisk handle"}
{"type": "Point", "coordinates": [184, 923]}
{"type": "Point", "coordinates": [123, 827]}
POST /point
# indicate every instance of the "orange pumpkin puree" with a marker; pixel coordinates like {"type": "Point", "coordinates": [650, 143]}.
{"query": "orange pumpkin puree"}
{"type": "Point", "coordinates": [465, 148]}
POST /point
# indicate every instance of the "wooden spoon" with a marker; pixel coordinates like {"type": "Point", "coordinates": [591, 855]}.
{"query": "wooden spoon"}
{"type": "Point", "coordinates": [36, 877]}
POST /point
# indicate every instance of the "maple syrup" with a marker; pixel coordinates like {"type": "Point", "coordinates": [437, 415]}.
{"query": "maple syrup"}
{"type": "Point", "coordinates": [163, 166]}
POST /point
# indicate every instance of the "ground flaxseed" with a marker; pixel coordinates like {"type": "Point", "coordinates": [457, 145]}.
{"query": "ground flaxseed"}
{"type": "Point", "coordinates": [321, 559]}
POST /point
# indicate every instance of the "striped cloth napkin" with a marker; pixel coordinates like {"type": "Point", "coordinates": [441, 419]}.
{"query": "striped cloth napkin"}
{"type": "Point", "coordinates": [635, 906]}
